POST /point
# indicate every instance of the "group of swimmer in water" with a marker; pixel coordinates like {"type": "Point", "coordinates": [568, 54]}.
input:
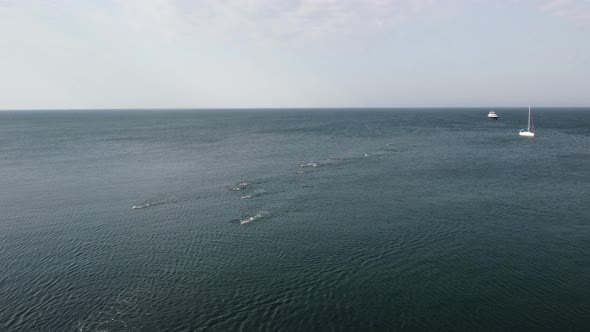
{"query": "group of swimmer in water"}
{"type": "Point", "coordinates": [243, 185]}
{"type": "Point", "coordinates": [238, 187]}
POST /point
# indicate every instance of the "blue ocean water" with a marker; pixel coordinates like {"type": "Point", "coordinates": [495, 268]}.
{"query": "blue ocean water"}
{"type": "Point", "coordinates": [354, 219]}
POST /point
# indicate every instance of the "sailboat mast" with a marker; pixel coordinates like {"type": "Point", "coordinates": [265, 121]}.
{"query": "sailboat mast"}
{"type": "Point", "coordinates": [529, 127]}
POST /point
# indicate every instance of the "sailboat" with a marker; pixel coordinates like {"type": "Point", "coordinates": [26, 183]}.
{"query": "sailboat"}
{"type": "Point", "coordinates": [528, 132]}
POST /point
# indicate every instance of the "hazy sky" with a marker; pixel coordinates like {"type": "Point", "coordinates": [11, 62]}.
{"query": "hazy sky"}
{"type": "Point", "coordinates": [293, 53]}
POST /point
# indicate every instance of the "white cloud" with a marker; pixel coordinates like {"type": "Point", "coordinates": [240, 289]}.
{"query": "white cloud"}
{"type": "Point", "coordinates": [275, 20]}
{"type": "Point", "coordinates": [237, 53]}
{"type": "Point", "coordinates": [578, 10]}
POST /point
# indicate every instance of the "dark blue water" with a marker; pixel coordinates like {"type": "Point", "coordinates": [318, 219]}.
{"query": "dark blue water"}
{"type": "Point", "coordinates": [411, 219]}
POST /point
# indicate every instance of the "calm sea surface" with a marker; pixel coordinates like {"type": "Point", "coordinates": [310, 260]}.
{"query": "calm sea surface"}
{"type": "Point", "coordinates": [402, 220]}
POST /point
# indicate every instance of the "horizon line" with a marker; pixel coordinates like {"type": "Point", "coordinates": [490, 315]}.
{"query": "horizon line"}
{"type": "Point", "coordinates": [281, 108]}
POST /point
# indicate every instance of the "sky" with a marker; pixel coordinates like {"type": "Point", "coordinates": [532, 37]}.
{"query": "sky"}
{"type": "Point", "coordinates": [97, 54]}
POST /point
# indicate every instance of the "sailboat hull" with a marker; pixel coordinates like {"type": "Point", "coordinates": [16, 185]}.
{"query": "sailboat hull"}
{"type": "Point", "coordinates": [526, 134]}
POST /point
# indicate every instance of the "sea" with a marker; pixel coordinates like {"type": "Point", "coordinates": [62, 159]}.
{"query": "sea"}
{"type": "Point", "coordinates": [294, 220]}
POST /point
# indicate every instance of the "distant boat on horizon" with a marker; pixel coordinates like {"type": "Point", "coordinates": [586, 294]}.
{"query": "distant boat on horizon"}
{"type": "Point", "coordinates": [528, 132]}
{"type": "Point", "coordinates": [492, 115]}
